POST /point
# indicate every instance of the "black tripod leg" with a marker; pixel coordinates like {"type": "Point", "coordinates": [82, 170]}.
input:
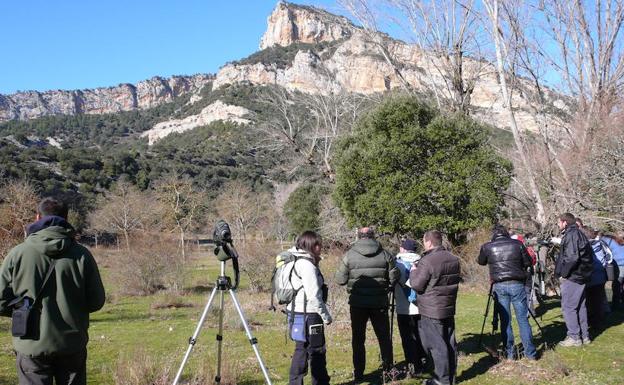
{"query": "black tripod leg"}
{"type": "Point", "coordinates": [487, 310]}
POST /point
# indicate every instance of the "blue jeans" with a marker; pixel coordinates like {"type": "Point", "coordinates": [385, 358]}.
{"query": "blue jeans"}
{"type": "Point", "coordinates": [507, 293]}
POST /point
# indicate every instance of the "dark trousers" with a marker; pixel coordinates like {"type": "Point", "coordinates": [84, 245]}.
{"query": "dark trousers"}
{"type": "Point", "coordinates": [63, 369]}
{"type": "Point", "coordinates": [410, 339]}
{"type": "Point", "coordinates": [616, 286]}
{"type": "Point", "coordinates": [381, 326]}
{"type": "Point", "coordinates": [438, 339]}
{"type": "Point", "coordinates": [312, 350]}
{"type": "Point", "coordinates": [574, 309]}
{"type": "Point", "coordinates": [595, 298]}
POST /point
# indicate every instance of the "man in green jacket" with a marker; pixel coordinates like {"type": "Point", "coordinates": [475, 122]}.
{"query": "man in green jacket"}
{"type": "Point", "coordinates": [57, 347]}
{"type": "Point", "coordinates": [370, 273]}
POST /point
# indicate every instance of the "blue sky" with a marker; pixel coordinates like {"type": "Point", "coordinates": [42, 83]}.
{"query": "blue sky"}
{"type": "Point", "coordinates": [74, 44]}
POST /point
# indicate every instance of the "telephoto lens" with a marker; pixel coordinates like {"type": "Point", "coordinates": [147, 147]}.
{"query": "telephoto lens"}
{"type": "Point", "coordinates": [222, 233]}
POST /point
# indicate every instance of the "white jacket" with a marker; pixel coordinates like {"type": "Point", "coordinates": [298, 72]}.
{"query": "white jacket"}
{"type": "Point", "coordinates": [403, 306]}
{"type": "Point", "coordinates": [312, 282]}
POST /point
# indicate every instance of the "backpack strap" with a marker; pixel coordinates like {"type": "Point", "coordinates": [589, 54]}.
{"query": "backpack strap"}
{"type": "Point", "coordinates": [37, 299]}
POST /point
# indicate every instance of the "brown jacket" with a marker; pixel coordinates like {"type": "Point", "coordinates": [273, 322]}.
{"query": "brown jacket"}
{"type": "Point", "coordinates": [436, 280]}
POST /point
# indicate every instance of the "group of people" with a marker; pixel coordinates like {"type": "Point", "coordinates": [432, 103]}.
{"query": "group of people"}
{"type": "Point", "coordinates": [425, 290]}
{"type": "Point", "coordinates": [53, 283]}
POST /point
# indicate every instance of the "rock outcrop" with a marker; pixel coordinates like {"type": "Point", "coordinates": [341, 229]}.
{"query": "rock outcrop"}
{"type": "Point", "coordinates": [354, 63]}
{"type": "Point", "coordinates": [290, 23]}
{"type": "Point", "coordinates": [216, 111]}
{"type": "Point", "coordinates": [124, 97]}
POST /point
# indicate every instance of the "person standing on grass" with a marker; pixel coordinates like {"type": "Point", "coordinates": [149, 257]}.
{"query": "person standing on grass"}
{"type": "Point", "coordinates": [56, 348]}
{"type": "Point", "coordinates": [574, 267]}
{"type": "Point", "coordinates": [310, 302]}
{"type": "Point", "coordinates": [407, 311]}
{"type": "Point", "coordinates": [436, 280]}
{"type": "Point", "coordinates": [508, 261]}
{"type": "Point", "coordinates": [369, 272]}
{"type": "Point", "coordinates": [595, 290]}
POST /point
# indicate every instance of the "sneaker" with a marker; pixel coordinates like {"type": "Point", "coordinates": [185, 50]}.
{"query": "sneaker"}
{"type": "Point", "coordinates": [569, 341]}
{"type": "Point", "coordinates": [586, 341]}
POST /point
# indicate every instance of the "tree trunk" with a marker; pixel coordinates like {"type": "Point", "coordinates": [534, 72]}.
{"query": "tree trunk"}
{"type": "Point", "coordinates": [540, 215]}
{"type": "Point", "coordinates": [182, 245]}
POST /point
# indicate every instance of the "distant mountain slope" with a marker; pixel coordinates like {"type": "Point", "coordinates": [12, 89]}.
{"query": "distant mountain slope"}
{"type": "Point", "coordinates": [27, 105]}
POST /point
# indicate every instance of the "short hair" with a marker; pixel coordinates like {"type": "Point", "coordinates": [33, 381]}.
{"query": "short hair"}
{"type": "Point", "coordinates": [433, 236]}
{"type": "Point", "coordinates": [308, 241]}
{"type": "Point", "coordinates": [366, 233]}
{"type": "Point", "coordinates": [500, 229]}
{"type": "Point", "coordinates": [52, 206]}
{"type": "Point", "coordinates": [567, 218]}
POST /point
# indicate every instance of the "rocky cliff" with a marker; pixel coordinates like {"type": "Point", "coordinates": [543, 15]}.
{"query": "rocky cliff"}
{"type": "Point", "coordinates": [352, 62]}
{"type": "Point", "coordinates": [124, 97]}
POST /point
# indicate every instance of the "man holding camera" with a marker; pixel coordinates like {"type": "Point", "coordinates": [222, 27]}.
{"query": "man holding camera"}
{"type": "Point", "coordinates": [436, 280]}
{"type": "Point", "coordinates": [58, 280]}
{"type": "Point", "coordinates": [369, 272]}
{"type": "Point", "coordinates": [574, 267]}
{"type": "Point", "coordinates": [508, 260]}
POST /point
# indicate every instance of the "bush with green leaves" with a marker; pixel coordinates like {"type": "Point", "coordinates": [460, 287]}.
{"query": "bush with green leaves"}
{"type": "Point", "coordinates": [407, 168]}
{"type": "Point", "coordinates": [303, 207]}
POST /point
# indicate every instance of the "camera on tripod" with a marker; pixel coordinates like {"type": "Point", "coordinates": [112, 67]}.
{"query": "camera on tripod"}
{"type": "Point", "coordinates": [224, 251]}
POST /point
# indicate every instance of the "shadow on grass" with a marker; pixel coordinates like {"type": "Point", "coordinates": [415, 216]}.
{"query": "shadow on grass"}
{"type": "Point", "coordinates": [200, 289]}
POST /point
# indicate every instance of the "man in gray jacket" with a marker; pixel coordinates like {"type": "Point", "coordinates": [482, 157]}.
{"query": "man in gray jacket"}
{"type": "Point", "coordinates": [369, 272]}
{"type": "Point", "coordinates": [436, 280]}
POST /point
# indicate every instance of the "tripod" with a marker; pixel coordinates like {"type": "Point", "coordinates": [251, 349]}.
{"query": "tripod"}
{"type": "Point", "coordinates": [224, 283]}
{"type": "Point", "coordinates": [496, 316]}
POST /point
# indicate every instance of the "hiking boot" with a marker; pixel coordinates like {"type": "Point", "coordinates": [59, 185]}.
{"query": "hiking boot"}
{"type": "Point", "coordinates": [569, 341]}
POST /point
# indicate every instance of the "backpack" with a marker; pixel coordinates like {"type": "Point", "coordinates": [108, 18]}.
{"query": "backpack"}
{"type": "Point", "coordinates": [282, 289]}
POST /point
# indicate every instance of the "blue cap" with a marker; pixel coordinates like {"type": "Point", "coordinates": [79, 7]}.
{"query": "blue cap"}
{"type": "Point", "coordinates": [408, 244]}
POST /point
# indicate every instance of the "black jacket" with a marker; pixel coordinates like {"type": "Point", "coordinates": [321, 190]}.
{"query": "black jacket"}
{"type": "Point", "coordinates": [369, 272]}
{"type": "Point", "coordinates": [575, 256]}
{"type": "Point", "coordinates": [436, 280]}
{"type": "Point", "coordinates": [507, 258]}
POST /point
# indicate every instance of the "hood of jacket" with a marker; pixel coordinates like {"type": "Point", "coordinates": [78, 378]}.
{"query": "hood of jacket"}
{"type": "Point", "coordinates": [367, 247]}
{"type": "Point", "coordinates": [301, 254]}
{"type": "Point", "coordinates": [408, 257]}
{"type": "Point", "coordinates": [51, 241]}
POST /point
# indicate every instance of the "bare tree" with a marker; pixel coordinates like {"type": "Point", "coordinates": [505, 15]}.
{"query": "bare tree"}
{"type": "Point", "coordinates": [242, 208]}
{"type": "Point", "coordinates": [124, 210]}
{"type": "Point", "coordinates": [448, 32]}
{"type": "Point", "coordinates": [181, 204]}
{"type": "Point", "coordinates": [589, 57]}
{"type": "Point", "coordinates": [19, 200]}
{"type": "Point", "coordinates": [505, 61]}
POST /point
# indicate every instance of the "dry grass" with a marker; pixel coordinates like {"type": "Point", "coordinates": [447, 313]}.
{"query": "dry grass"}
{"type": "Point", "coordinates": [474, 274]}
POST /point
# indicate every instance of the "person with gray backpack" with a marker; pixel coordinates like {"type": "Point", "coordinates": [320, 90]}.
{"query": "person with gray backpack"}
{"type": "Point", "coordinates": [299, 284]}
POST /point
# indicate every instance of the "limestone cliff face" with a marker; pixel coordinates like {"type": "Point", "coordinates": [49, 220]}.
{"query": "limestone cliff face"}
{"type": "Point", "coordinates": [291, 23]}
{"type": "Point", "coordinates": [124, 97]}
{"type": "Point", "coordinates": [356, 64]}
{"type": "Point", "coordinates": [216, 111]}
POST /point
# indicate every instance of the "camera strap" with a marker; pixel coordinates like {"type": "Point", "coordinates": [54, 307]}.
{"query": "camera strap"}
{"type": "Point", "coordinates": [36, 300]}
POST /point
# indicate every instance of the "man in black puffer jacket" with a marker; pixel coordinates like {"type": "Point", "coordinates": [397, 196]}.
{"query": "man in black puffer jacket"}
{"type": "Point", "coordinates": [508, 261]}
{"type": "Point", "coordinates": [574, 267]}
{"type": "Point", "coordinates": [369, 272]}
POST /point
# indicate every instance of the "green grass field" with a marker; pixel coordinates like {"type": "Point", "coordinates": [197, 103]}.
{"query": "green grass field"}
{"type": "Point", "coordinates": [134, 342]}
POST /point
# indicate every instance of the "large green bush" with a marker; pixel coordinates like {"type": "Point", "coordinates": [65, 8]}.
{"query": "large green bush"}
{"type": "Point", "coordinates": [407, 168]}
{"type": "Point", "coordinates": [303, 207]}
